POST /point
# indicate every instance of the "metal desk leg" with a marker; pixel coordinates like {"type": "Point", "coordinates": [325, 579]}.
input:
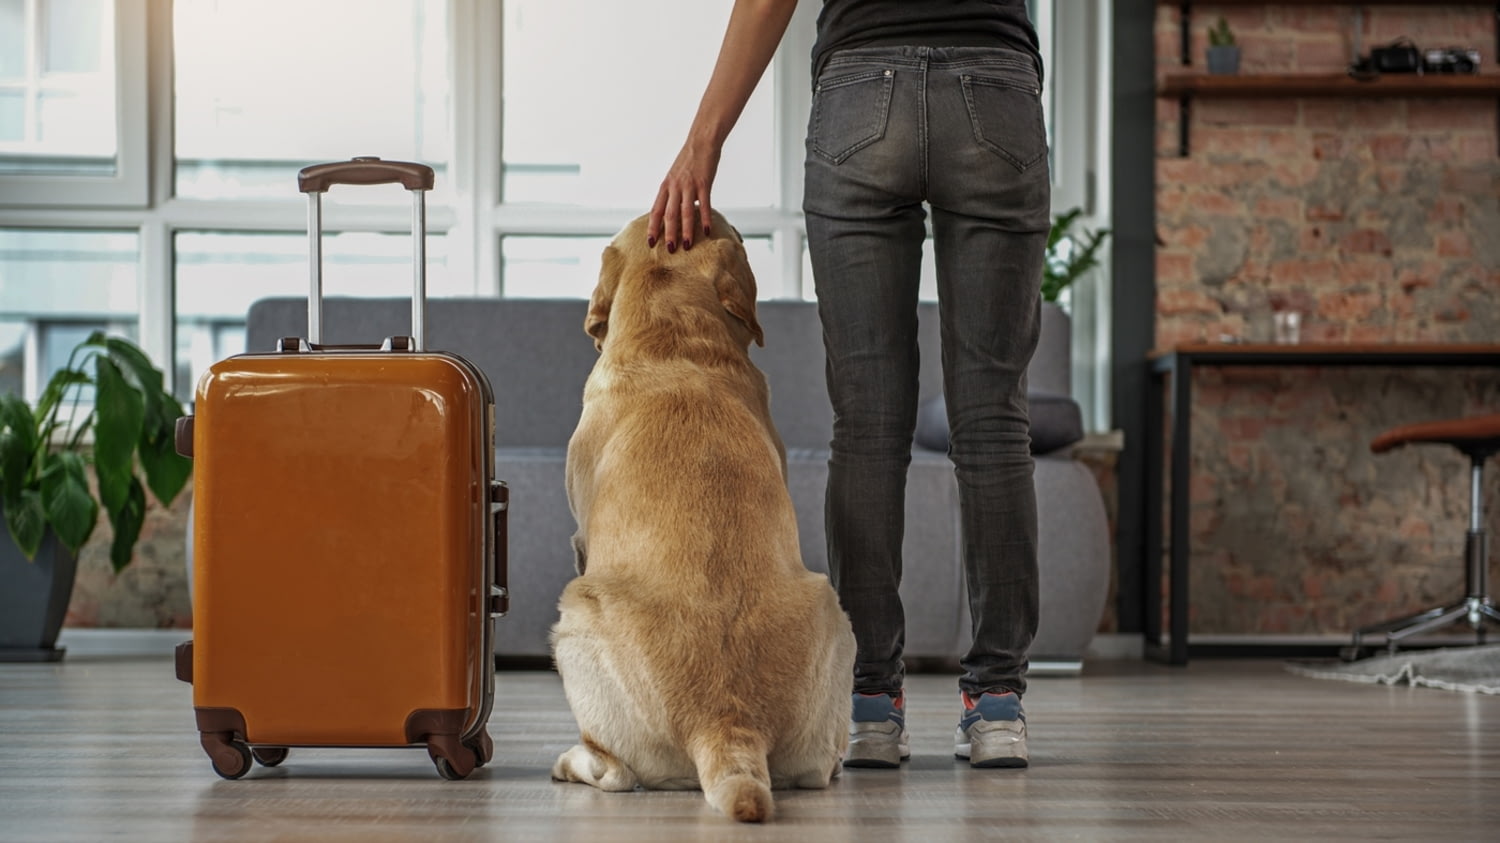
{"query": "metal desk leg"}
{"type": "Point", "coordinates": [1177, 574]}
{"type": "Point", "coordinates": [1151, 563]}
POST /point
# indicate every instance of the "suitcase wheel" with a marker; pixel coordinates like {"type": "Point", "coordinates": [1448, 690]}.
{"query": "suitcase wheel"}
{"type": "Point", "coordinates": [230, 758]}
{"type": "Point", "coordinates": [454, 761]}
{"type": "Point", "coordinates": [269, 756]}
{"type": "Point", "coordinates": [483, 748]}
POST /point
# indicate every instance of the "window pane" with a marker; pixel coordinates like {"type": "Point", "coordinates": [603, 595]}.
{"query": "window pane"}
{"type": "Point", "coordinates": [219, 275]}
{"type": "Point", "coordinates": [568, 267]}
{"type": "Point", "coordinates": [12, 40]}
{"type": "Point", "coordinates": [56, 287]}
{"type": "Point", "coordinates": [585, 122]}
{"type": "Point", "coordinates": [12, 116]}
{"type": "Point", "coordinates": [57, 103]}
{"type": "Point", "coordinates": [264, 87]}
{"type": "Point", "coordinates": [73, 35]}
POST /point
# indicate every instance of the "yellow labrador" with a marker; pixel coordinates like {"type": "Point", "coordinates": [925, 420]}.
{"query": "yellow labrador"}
{"type": "Point", "coordinates": [695, 648]}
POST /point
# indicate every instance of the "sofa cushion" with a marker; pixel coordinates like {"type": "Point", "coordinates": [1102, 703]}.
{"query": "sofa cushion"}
{"type": "Point", "coordinates": [1056, 423]}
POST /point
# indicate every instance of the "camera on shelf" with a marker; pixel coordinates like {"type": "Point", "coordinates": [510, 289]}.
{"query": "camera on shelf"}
{"type": "Point", "coordinates": [1402, 56]}
{"type": "Point", "coordinates": [1450, 60]}
{"type": "Point", "coordinates": [1399, 57]}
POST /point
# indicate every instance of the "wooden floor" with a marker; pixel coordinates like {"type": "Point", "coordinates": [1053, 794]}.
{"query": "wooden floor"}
{"type": "Point", "coordinates": [104, 748]}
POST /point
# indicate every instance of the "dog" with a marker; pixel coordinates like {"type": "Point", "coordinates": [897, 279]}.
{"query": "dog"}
{"type": "Point", "coordinates": [695, 648]}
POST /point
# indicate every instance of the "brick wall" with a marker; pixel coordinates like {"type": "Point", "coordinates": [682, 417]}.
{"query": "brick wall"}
{"type": "Point", "coordinates": [1379, 219]}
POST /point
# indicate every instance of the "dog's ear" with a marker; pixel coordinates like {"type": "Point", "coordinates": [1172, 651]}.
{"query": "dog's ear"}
{"type": "Point", "coordinates": [735, 284]}
{"type": "Point", "coordinates": [596, 323]}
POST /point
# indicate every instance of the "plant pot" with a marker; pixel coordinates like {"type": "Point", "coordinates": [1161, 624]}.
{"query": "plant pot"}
{"type": "Point", "coordinates": [34, 599]}
{"type": "Point", "coordinates": [1224, 61]}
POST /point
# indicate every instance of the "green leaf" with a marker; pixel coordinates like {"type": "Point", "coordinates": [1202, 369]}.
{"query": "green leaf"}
{"type": "Point", "coordinates": [166, 470]}
{"type": "Point", "coordinates": [70, 507]}
{"type": "Point", "coordinates": [57, 387]}
{"type": "Point", "coordinates": [18, 444]}
{"type": "Point", "coordinates": [127, 520]}
{"type": "Point", "coordinates": [120, 411]}
{"type": "Point", "coordinates": [27, 521]}
{"type": "Point", "coordinates": [136, 364]}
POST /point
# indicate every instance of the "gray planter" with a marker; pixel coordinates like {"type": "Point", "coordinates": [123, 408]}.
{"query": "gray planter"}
{"type": "Point", "coordinates": [1224, 61]}
{"type": "Point", "coordinates": [34, 599]}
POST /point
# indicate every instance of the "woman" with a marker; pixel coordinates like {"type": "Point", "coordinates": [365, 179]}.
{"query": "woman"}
{"type": "Point", "coordinates": [915, 105]}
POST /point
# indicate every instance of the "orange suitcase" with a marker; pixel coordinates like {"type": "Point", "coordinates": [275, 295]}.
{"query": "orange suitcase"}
{"type": "Point", "coordinates": [348, 537]}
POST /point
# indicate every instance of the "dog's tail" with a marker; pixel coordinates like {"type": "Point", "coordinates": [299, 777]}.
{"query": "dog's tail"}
{"type": "Point", "coordinates": [732, 770]}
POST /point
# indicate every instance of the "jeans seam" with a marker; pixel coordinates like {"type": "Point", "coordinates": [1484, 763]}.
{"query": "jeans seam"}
{"type": "Point", "coordinates": [922, 127]}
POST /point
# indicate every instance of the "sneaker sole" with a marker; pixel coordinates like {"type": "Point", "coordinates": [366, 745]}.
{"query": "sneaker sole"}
{"type": "Point", "coordinates": [883, 755]}
{"type": "Point", "coordinates": [1011, 755]}
{"type": "Point", "coordinates": [1002, 762]}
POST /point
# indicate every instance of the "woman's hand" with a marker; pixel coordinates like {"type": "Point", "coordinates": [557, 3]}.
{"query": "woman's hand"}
{"type": "Point", "coordinates": [682, 202]}
{"type": "Point", "coordinates": [682, 207]}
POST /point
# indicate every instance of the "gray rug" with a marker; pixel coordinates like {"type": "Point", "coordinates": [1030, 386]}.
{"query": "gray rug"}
{"type": "Point", "coordinates": [1471, 669]}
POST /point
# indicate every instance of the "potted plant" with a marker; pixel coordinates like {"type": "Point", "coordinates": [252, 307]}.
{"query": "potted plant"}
{"type": "Point", "coordinates": [50, 509]}
{"type": "Point", "coordinates": [1069, 256]}
{"type": "Point", "coordinates": [1223, 52]}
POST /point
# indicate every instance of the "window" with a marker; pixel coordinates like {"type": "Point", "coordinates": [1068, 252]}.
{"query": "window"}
{"type": "Point", "coordinates": [340, 82]}
{"type": "Point", "coordinates": [72, 102]}
{"type": "Point", "coordinates": [220, 274]}
{"type": "Point", "coordinates": [596, 123]}
{"type": "Point", "coordinates": [56, 286]}
{"type": "Point", "coordinates": [161, 138]}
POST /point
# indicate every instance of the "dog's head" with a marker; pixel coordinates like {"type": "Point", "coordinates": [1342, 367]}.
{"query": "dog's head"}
{"type": "Point", "coordinates": [716, 263]}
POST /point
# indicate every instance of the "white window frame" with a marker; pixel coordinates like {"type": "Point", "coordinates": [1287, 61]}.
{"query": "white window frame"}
{"type": "Point", "coordinates": [127, 187]}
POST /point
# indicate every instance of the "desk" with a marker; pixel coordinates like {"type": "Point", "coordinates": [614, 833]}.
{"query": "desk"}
{"type": "Point", "coordinates": [1177, 364]}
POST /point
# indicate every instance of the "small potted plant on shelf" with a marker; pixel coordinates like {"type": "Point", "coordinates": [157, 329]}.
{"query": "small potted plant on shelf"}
{"type": "Point", "coordinates": [125, 431]}
{"type": "Point", "coordinates": [1223, 51]}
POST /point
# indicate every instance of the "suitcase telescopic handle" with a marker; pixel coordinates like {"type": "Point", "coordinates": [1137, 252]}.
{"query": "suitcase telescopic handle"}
{"type": "Point", "coordinates": [365, 170]}
{"type": "Point", "coordinates": [315, 181]}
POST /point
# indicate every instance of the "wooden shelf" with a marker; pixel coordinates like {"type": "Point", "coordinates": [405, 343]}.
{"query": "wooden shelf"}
{"type": "Point", "coordinates": [1186, 86]}
{"type": "Point", "coordinates": [1330, 85]}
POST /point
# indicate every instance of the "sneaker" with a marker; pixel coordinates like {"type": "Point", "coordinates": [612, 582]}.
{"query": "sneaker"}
{"type": "Point", "coordinates": [877, 731]}
{"type": "Point", "coordinates": [992, 732]}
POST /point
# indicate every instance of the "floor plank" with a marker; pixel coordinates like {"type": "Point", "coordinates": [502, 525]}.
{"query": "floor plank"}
{"type": "Point", "coordinates": [96, 748]}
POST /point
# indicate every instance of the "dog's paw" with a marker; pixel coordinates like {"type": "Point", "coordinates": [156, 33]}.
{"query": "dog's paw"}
{"type": "Point", "coordinates": [583, 765]}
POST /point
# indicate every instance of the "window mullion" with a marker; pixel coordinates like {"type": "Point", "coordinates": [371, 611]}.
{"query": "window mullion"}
{"type": "Point", "coordinates": [483, 73]}
{"type": "Point", "coordinates": [156, 305]}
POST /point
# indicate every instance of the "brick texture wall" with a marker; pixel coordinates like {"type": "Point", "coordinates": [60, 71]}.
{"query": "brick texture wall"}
{"type": "Point", "coordinates": [1379, 220]}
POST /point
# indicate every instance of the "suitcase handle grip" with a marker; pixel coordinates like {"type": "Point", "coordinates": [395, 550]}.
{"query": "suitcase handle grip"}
{"type": "Point", "coordinates": [364, 170]}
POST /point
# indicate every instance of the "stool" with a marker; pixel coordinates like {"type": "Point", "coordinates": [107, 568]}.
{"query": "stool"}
{"type": "Point", "coordinates": [1479, 438]}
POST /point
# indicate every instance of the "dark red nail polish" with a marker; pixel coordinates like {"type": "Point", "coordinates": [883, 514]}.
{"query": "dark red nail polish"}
{"type": "Point", "coordinates": [687, 244]}
{"type": "Point", "coordinates": [671, 247]}
{"type": "Point", "coordinates": [707, 231]}
{"type": "Point", "coordinates": [650, 242]}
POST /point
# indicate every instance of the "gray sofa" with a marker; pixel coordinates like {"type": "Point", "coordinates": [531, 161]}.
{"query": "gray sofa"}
{"type": "Point", "coordinates": [537, 358]}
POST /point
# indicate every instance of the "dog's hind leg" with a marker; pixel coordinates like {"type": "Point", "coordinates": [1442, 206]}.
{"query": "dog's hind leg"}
{"type": "Point", "coordinates": [591, 764]}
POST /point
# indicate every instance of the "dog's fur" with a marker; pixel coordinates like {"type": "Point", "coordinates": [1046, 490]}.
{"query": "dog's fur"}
{"type": "Point", "coordinates": [695, 648]}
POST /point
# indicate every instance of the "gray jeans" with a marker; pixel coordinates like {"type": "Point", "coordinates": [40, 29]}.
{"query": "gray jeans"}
{"type": "Point", "coordinates": [960, 129]}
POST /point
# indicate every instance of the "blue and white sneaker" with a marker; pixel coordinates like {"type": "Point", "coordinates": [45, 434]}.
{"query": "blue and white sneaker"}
{"type": "Point", "coordinates": [992, 732]}
{"type": "Point", "coordinates": [877, 731]}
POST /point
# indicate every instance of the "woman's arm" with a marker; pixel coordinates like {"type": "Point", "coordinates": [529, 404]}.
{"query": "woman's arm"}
{"type": "Point", "coordinates": [682, 202]}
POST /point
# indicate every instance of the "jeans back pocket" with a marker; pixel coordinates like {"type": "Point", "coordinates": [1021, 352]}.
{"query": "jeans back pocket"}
{"type": "Point", "coordinates": [849, 113]}
{"type": "Point", "coordinates": [1007, 118]}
